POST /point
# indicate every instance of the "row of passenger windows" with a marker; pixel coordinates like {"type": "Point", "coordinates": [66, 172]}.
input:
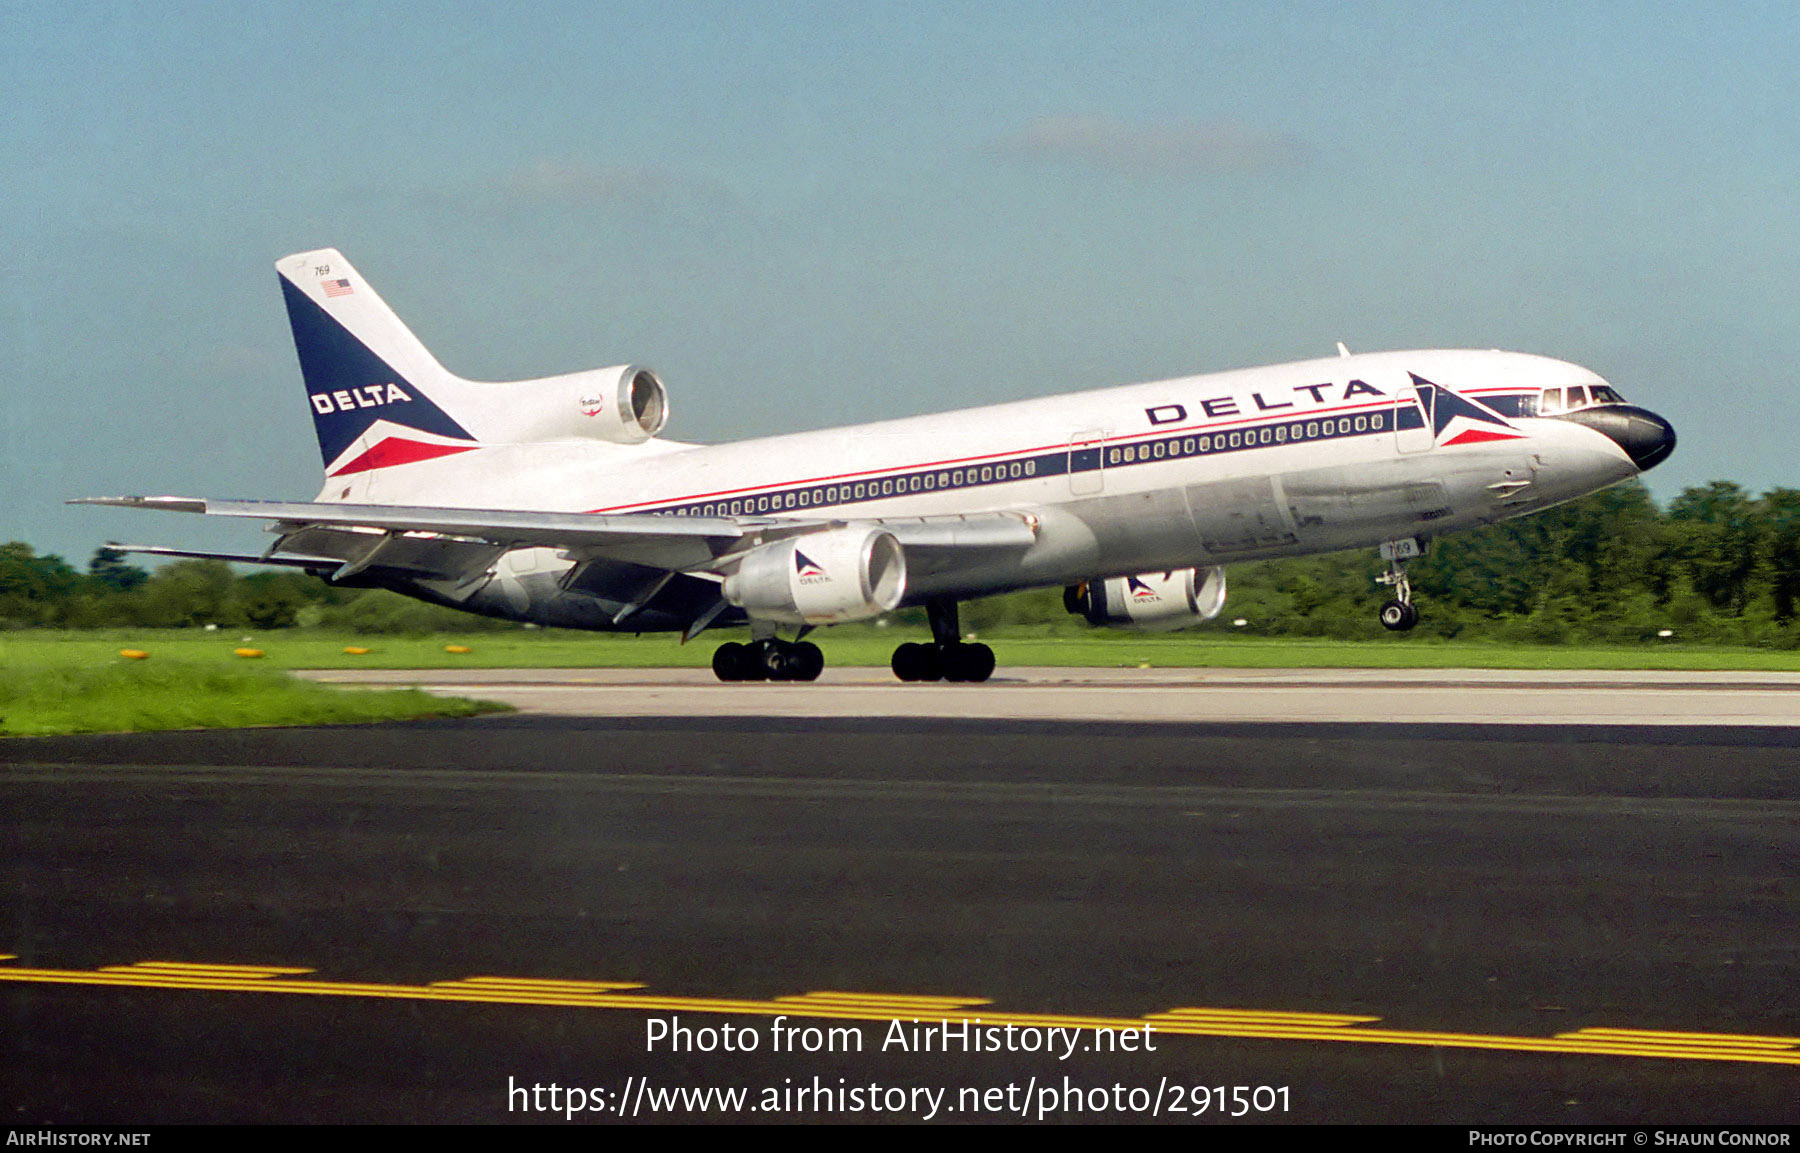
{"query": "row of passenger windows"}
{"type": "Point", "coordinates": [865, 490]}
{"type": "Point", "coordinates": [1247, 438]}
{"type": "Point", "coordinates": [1018, 470]}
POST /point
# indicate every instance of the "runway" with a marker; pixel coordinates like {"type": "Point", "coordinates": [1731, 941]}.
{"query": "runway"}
{"type": "Point", "coordinates": [1524, 922]}
{"type": "Point", "coordinates": [1416, 696]}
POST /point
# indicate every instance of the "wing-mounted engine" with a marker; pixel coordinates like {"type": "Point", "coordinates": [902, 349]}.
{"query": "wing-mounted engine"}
{"type": "Point", "coordinates": [625, 404]}
{"type": "Point", "coordinates": [844, 574]}
{"type": "Point", "coordinates": [1152, 601]}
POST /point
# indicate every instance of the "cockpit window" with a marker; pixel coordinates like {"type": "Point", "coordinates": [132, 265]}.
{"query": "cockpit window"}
{"type": "Point", "coordinates": [1559, 400]}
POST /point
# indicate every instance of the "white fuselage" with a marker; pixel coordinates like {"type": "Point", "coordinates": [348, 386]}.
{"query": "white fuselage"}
{"type": "Point", "coordinates": [1278, 461]}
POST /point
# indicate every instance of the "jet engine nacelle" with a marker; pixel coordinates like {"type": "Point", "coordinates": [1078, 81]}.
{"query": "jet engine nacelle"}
{"type": "Point", "coordinates": [625, 404]}
{"type": "Point", "coordinates": [847, 574]}
{"type": "Point", "coordinates": [1151, 601]}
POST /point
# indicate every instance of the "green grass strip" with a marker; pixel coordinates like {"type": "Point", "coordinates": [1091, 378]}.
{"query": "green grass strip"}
{"type": "Point", "coordinates": [859, 646]}
{"type": "Point", "coordinates": [81, 694]}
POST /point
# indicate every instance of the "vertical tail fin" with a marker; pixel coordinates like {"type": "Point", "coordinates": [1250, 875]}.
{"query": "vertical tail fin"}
{"type": "Point", "coordinates": [379, 399]}
{"type": "Point", "coordinates": [368, 378]}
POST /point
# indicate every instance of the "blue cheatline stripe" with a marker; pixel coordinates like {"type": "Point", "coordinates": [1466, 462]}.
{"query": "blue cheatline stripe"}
{"type": "Point", "coordinates": [1512, 404]}
{"type": "Point", "coordinates": [1119, 454]}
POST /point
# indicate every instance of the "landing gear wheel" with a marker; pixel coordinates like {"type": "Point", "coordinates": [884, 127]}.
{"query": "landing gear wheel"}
{"type": "Point", "coordinates": [970, 664]}
{"type": "Point", "coordinates": [805, 661]}
{"type": "Point", "coordinates": [770, 660]}
{"type": "Point", "coordinates": [1398, 616]}
{"type": "Point", "coordinates": [775, 661]}
{"type": "Point", "coordinates": [728, 661]}
{"type": "Point", "coordinates": [947, 657]}
{"type": "Point", "coordinates": [916, 662]}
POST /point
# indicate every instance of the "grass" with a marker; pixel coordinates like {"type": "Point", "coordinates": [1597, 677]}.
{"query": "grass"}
{"type": "Point", "coordinates": [76, 682]}
{"type": "Point", "coordinates": [69, 689]}
{"type": "Point", "coordinates": [856, 645]}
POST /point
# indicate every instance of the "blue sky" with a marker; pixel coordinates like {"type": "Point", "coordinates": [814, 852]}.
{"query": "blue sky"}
{"type": "Point", "coordinates": [805, 215]}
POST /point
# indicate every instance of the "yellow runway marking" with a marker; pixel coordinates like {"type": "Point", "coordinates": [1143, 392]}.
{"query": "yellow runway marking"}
{"type": "Point", "coordinates": [536, 985]}
{"type": "Point", "coordinates": [884, 1005]}
{"type": "Point", "coordinates": [1177, 1017]}
{"type": "Point", "coordinates": [1648, 1036]}
{"type": "Point", "coordinates": [1242, 1024]}
{"type": "Point", "coordinates": [184, 968]}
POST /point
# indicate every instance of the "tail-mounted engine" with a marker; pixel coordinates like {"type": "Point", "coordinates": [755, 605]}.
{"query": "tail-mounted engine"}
{"type": "Point", "coordinates": [847, 574]}
{"type": "Point", "coordinates": [1152, 601]}
{"type": "Point", "coordinates": [625, 404]}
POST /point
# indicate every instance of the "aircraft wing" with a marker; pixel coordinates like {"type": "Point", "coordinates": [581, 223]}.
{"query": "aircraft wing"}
{"type": "Point", "coordinates": [448, 544]}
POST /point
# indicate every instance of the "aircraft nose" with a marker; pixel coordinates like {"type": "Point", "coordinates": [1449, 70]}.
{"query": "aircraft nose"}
{"type": "Point", "coordinates": [1647, 438]}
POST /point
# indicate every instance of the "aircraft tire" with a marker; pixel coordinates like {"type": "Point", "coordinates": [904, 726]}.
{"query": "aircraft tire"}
{"type": "Point", "coordinates": [728, 661]}
{"type": "Point", "coordinates": [970, 664]}
{"type": "Point", "coordinates": [915, 662]}
{"type": "Point", "coordinates": [773, 660]}
{"type": "Point", "coordinates": [806, 661]}
{"type": "Point", "coordinates": [1398, 616]}
{"type": "Point", "coordinates": [753, 662]}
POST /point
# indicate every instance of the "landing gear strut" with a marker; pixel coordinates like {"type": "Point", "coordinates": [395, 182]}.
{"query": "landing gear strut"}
{"type": "Point", "coordinates": [770, 659]}
{"type": "Point", "coordinates": [1399, 615]}
{"type": "Point", "coordinates": [947, 657]}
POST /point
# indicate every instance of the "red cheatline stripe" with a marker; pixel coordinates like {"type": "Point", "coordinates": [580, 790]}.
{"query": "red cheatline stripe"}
{"type": "Point", "coordinates": [1476, 436]}
{"type": "Point", "coordinates": [394, 451]}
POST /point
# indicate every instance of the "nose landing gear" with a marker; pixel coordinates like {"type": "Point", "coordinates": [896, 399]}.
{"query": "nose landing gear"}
{"type": "Point", "coordinates": [1399, 614]}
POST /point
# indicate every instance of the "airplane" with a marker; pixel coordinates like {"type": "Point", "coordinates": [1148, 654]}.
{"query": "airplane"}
{"type": "Point", "coordinates": [556, 501]}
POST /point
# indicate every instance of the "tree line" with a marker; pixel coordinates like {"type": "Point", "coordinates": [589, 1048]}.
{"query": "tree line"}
{"type": "Point", "coordinates": [1719, 565]}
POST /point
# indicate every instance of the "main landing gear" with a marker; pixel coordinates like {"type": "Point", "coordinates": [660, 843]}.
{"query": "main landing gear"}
{"type": "Point", "coordinates": [770, 659]}
{"type": "Point", "coordinates": [947, 658]}
{"type": "Point", "coordinates": [1399, 615]}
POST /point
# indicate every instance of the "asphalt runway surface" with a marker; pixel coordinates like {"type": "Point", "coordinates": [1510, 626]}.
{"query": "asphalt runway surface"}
{"type": "Point", "coordinates": [1318, 922]}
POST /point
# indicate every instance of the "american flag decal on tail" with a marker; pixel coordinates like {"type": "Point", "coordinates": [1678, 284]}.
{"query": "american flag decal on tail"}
{"type": "Point", "coordinates": [336, 287]}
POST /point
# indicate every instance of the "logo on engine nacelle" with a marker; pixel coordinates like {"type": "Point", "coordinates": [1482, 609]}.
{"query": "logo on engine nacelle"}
{"type": "Point", "coordinates": [592, 405]}
{"type": "Point", "coordinates": [807, 570]}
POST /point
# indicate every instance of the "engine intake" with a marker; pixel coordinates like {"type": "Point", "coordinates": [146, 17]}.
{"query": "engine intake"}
{"type": "Point", "coordinates": [1155, 602]}
{"type": "Point", "coordinates": [829, 577]}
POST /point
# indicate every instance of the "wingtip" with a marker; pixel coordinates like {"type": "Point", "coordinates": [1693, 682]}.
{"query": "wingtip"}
{"type": "Point", "coordinates": [166, 503]}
